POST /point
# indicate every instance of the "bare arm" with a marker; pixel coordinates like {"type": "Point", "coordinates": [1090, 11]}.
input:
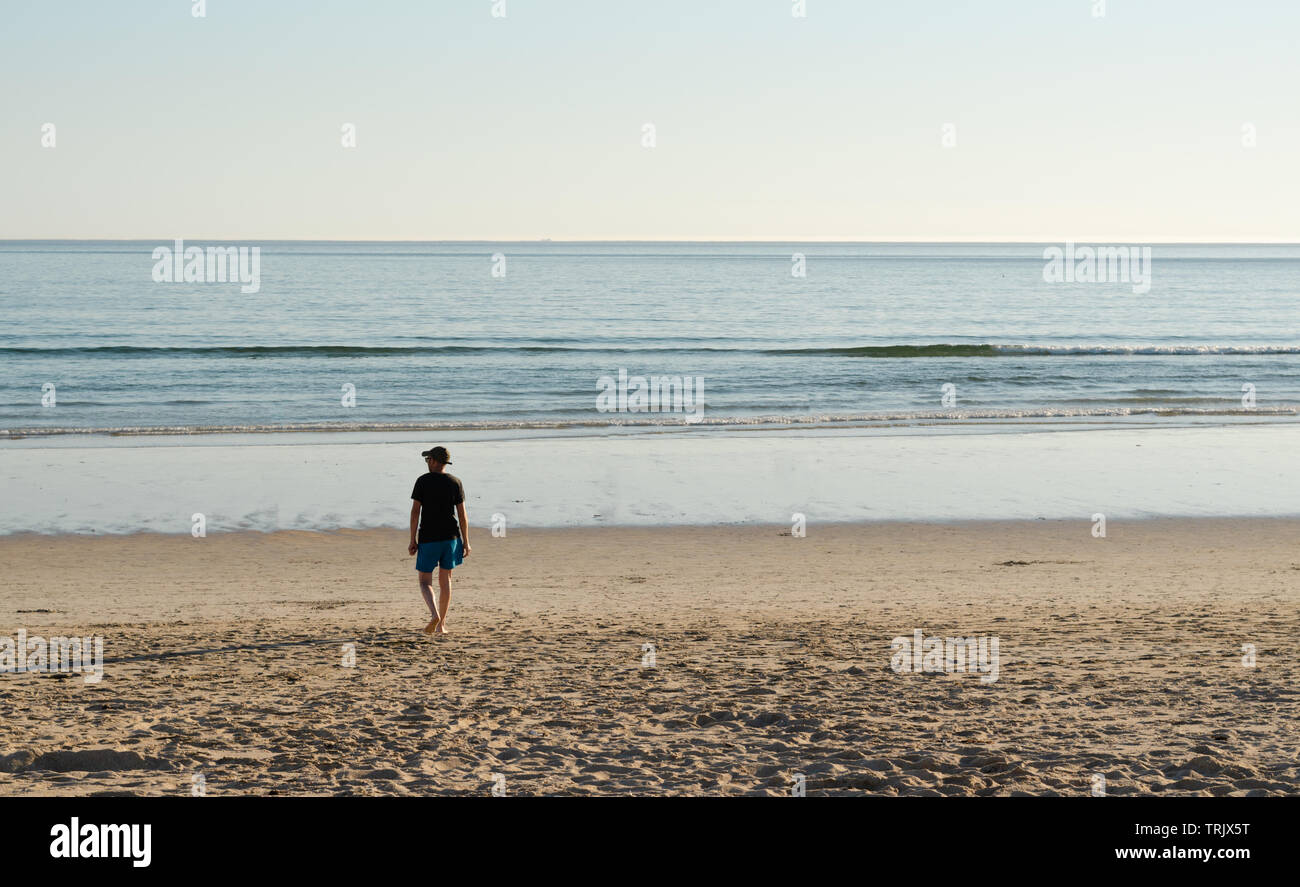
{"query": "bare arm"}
{"type": "Point", "coordinates": [415, 525]}
{"type": "Point", "coordinates": [464, 525]}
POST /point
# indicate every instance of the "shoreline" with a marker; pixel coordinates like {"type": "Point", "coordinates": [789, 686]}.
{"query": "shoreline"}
{"type": "Point", "coordinates": [480, 530]}
{"type": "Point", "coordinates": [770, 657]}
{"type": "Point", "coordinates": [659, 479]}
{"type": "Point", "coordinates": [1027, 419]}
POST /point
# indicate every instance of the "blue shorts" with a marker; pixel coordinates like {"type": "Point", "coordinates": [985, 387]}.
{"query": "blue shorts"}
{"type": "Point", "coordinates": [446, 553]}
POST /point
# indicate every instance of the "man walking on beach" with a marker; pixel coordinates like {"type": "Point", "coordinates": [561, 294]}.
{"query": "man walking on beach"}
{"type": "Point", "coordinates": [443, 536]}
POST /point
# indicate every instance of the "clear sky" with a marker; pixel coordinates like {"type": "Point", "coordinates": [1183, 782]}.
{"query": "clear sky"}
{"type": "Point", "coordinates": [1123, 128]}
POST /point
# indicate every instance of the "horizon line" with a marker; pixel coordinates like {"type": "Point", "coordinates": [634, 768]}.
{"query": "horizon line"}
{"type": "Point", "coordinates": [915, 242]}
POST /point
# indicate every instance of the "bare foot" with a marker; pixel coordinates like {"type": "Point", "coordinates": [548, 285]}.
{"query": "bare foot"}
{"type": "Point", "coordinates": [441, 630]}
{"type": "Point", "coordinates": [433, 623]}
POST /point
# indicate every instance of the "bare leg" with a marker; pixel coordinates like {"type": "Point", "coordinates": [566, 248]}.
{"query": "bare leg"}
{"type": "Point", "coordinates": [444, 598]}
{"type": "Point", "coordinates": [426, 590]}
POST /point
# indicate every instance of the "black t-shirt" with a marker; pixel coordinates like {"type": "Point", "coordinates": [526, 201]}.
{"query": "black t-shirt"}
{"type": "Point", "coordinates": [438, 494]}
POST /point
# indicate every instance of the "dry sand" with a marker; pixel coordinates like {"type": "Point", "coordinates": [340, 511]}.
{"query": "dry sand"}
{"type": "Point", "coordinates": [1120, 656]}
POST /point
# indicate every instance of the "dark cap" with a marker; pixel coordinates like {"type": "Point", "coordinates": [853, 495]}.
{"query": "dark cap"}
{"type": "Point", "coordinates": [438, 454]}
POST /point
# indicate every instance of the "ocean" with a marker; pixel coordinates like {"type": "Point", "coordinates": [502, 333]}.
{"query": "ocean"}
{"type": "Point", "coordinates": [378, 336]}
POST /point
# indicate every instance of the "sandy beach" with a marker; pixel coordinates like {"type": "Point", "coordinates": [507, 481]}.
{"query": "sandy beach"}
{"type": "Point", "coordinates": [673, 661]}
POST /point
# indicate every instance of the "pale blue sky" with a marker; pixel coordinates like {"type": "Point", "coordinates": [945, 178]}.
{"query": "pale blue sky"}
{"type": "Point", "coordinates": [1122, 128]}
